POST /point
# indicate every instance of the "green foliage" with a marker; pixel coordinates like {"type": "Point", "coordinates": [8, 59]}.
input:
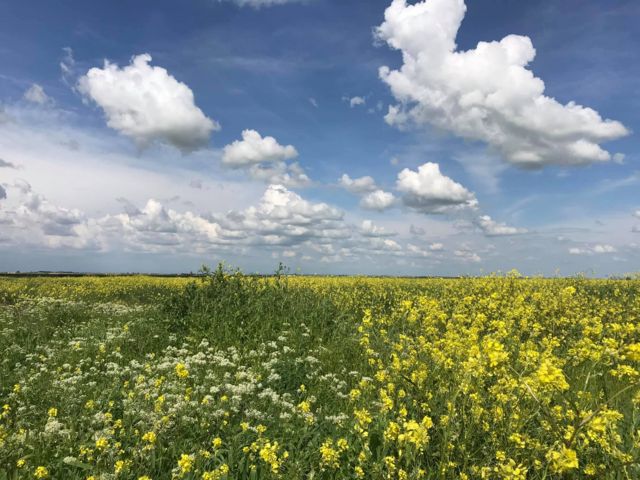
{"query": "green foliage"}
{"type": "Point", "coordinates": [317, 377]}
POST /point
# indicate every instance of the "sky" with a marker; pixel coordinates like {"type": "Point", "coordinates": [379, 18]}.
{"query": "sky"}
{"type": "Point", "coordinates": [396, 137]}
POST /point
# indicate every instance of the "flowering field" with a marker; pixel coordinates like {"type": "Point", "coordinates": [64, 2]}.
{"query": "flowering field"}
{"type": "Point", "coordinates": [231, 376]}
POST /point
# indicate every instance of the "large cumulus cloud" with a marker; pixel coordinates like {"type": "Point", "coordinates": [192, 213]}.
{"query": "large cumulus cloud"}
{"type": "Point", "coordinates": [147, 104]}
{"type": "Point", "coordinates": [487, 93]}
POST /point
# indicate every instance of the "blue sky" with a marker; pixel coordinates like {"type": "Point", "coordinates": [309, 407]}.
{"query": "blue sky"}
{"type": "Point", "coordinates": [220, 130]}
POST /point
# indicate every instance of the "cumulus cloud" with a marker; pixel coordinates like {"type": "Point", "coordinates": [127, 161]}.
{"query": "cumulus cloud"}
{"type": "Point", "coordinates": [636, 214]}
{"type": "Point", "coordinates": [369, 229]}
{"type": "Point", "coordinates": [254, 149]}
{"type": "Point", "coordinates": [429, 191]}
{"type": "Point", "coordinates": [358, 185]}
{"type": "Point", "coordinates": [378, 200]}
{"type": "Point", "coordinates": [491, 228]}
{"type": "Point", "coordinates": [31, 219]}
{"type": "Point", "coordinates": [467, 255]}
{"type": "Point", "coordinates": [290, 175]}
{"type": "Point", "coordinates": [592, 249]}
{"type": "Point", "coordinates": [147, 104]}
{"type": "Point", "coordinates": [487, 93]}
{"type": "Point", "coordinates": [36, 94]}
{"type": "Point", "coordinates": [265, 159]}
{"type": "Point", "coordinates": [355, 101]}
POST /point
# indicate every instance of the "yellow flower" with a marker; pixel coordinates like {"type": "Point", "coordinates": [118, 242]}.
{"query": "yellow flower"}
{"type": "Point", "coordinates": [216, 442]}
{"type": "Point", "coordinates": [330, 456]}
{"type": "Point", "coordinates": [53, 412]}
{"type": "Point", "coordinates": [149, 437]}
{"type": "Point", "coordinates": [119, 466]}
{"type": "Point", "coordinates": [269, 454]}
{"type": "Point", "coordinates": [21, 463]}
{"type": "Point", "coordinates": [186, 463]}
{"type": "Point", "coordinates": [304, 406]}
{"type": "Point", "coordinates": [551, 376]}
{"type": "Point", "coordinates": [41, 472]}
{"type": "Point", "coordinates": [102, 443]}
{"type": "Point", "coordinates": [181, 370]}
{"type": "Point", "coordinates": [562, 460]}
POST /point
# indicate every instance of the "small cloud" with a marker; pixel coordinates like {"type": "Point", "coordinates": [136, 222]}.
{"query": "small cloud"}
{"type": "Point", "coordinates": [618, 158]}
{"type": "Point", "coordinates": [68, 66]}
{"type": "Point", "coordinates": [313, 102]}
{"type": "Point", "coordinates": [378, 200]}
{"type": "Point", "coordinates": [357, 185]}
{"type": "Point", "coordinates": [355, 101]}
{"type": "Point", "coordinates": [592, 249]}
{"type": "Point", "coordinates": [263, 158]}
{"type": "Point", "coordinates": [492, 228]}
{"type": "Point", "coordinates": [263, 3]}
{"type": "Point", "coordinates": [254, 149]}
{"type": "Point", "coordinates": [369, 229]}
{"type": "Point", "coordinates": [429, 191]}
{"type": "Point", "coordinates": [467, 256]}
{"type": "Point", "coordinates": [36, 94]}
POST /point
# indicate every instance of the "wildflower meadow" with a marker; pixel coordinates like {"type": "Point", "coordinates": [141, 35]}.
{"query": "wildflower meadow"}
{"type": "Point", "coordinates": [229, 376]}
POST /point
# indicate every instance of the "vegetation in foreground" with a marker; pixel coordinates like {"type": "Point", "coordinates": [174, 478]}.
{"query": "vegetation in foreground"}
{"type": "Point", "coordinates": [230, 377]}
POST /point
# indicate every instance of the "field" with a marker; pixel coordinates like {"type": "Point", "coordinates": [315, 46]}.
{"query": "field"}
{"type": "Point", "coordinates": [230, 376]}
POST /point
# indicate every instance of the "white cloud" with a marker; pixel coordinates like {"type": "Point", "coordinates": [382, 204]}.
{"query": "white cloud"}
{"type": "Point", "coordinates": [636, 214]}
{"type": "Point", "coordinates": [254, 149]}
{"type": "Point", "coordinates": [487, 93]}
{"type": "Point", "coordinates": [358, 185]}
{"type": "Point", "coordinates": [313, 102]}
{"type": "Point", "coordinates": [28, 218]}
{"type": "Point", "coordinates": [467, 255]}
{"type": "Point", "coordinates": [147, 104]}
{"type": "Point", "coordinates": [290, 175]}
{"type": "Point", "coordinates": [369, 229]}
{"type": "Point", "coordinates": [378, 200]}
{"type": "Point", "coordinates": [68, 66]}
{"type": "Point", "coordinates": [429, 191]}
{"type": "Point", "coordinates": [355, 101]}
{"type": "Point", "coordinates": [592, 249]}
{"type": "Point", "coordinates": [36, 94]}
{"type": "Point", "coordinates": [436, 247]}
{"type": "Point", "coordinates": [265, 159]}
{"type": "Point", "coordinates": [263, 3]}
{"type": "Point", "coordinates": [491, 228]}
